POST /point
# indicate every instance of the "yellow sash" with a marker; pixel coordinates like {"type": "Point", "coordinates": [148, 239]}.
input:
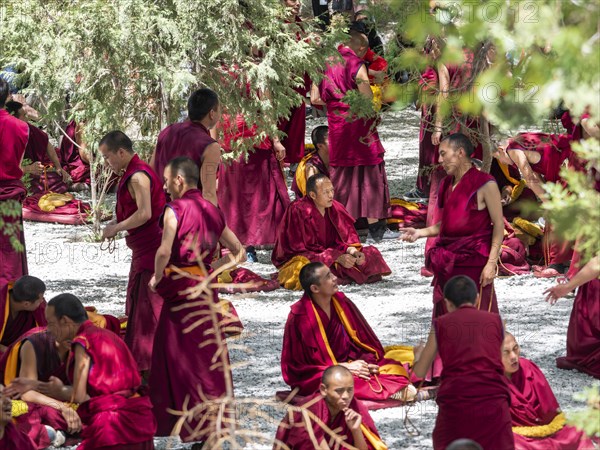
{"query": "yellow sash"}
{"type": "Point", "coordinates": [372, 438]}
{"type": "Point", "coordinates": [542, 431]}
{"type": "Point", "coordinates": [6, 310]}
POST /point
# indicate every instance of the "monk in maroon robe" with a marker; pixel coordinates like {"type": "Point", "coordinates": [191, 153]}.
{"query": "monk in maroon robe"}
{"type": "Point", "coordinates": [325, 328]}
{"type": "Point", "coordinates": [583, 335]}
{"type": "Point", "coordinates": [538, 423]}
{"type": "Point", "coordinates": [14, 134]}
{"type": "Point", "coordinates": [252, 192]}
{"type": "Point", "coordinates": [471, 229]}
{"type": "Point", "coordinates": [104, 381]}
{"type": "Point", "coordinates": [10, 437]}
{"type": "Point", "coordinates": [192, 230]}
{"type": "Point", "coordinates": [355, 151]}
{"type": "Point", "coordinates": [317, 228]}
{"type": "Point", "coordinates": [316, 161]}
{"type": "Point", "coordinates": [336, 407]}
{"type": "Point", "coordinates": [192, 139]}
{"type": "Point", "coordinates": [72, 153]}
{"type": "Point", "coordinates": [474, 397]}
{"type": "Point", "coordinates": [140, 202]}
{"type": "Point", "coordinates": [22, 307]}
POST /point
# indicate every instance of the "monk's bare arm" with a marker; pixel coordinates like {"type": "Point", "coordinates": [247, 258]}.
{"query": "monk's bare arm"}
{"type": "Point", "coordinates": [587, 273]}
{"type": "Point", "coordinates": [208, 172]}
{"type": "Point", "coordinates": [533, 180]}
{"type": "Point", "coordinates": [230, 241]}
{"type": "Point", "coordinates": [444, 91]}
{"type": "Point", "coordinates": [362, 81]}
{"type": "Point", "coordinates": [153, 160]}
{"type": "Point", "coordinates": [493, 203]}
{"type": "Point", "coordinates": [412, 234]}
{"type": "Point", "coordinates": [80, 375]}
{"type": "Point", "coordinates": [315, 95]}
{"type": "Point", "coordinates": [139, 187]}
{"type": "Point", "coordinates": [51, 152]}
{"type": "Point", "coordinates": [163, 254]}
{"type": "Point", "coordinates": [424, 360]}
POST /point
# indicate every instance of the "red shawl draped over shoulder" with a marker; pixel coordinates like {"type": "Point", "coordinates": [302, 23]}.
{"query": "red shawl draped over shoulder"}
{"type": "Point", "coordinates": [310, 346]}
{"type": "Point", "coordinates": [11, 328]}
{"type": "Point", "coordinates": [37, 150]}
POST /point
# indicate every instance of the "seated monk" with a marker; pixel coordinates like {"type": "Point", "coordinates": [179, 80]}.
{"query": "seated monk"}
{"type": "Point", "coordinates": [537, 420]}
{"type": "Point", "coordinates": [337, 408]}
{"type": "Point", "coordinates": [10, 437]}
{"type": "Point", "coordinates": [318, 228]}
{"type": "Point", "coordinates": [22, 307]}
{"type": "Point", "coordinates": [104, 381]}
{"type": "Point", "coordinates": [74, 156]}
{"type": "Point", "coordinates": [315, 161]}
{"type": "Point", "coordinates": [325, 328]}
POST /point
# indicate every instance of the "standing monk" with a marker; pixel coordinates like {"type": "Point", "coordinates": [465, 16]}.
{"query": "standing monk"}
{"type": "Point", "coordinates": [474, 397]}
{"type": "Point", "coordinates": [184, 372]}
{"type": "Point", "coordinates": [355, 152]}
{"type": "Point", "coordinates": [583, 335]}
{"type": "Point", "coordinates": [14, 134]}
{"type": "Point", "coordinates": [140, 201]}
{"type": "Point", "coordinates": [471, 229]}
{"type": "Point", "coordinates": [192, 138]}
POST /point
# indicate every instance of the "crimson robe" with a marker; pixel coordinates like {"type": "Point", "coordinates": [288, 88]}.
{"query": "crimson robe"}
{"type": "Point", "coordinates": [312, 342]}
{"type": "Point", "coordinates": [74, 212]}
{"type": "Point", "coordinates": [15, 439]}
{"type": "Point", "coordinates": [37, 150]}
{"type": "Point", "coordinates": [428, 153]}
{"type": "Point", "coordinates": [69, 155]}
{"type": "Point", "coordinates": [465, 239]}
{"type": "Point", "coordinates": [117, 414]}
{"type": "Point", "coordinates": [194, 378]}
{"type": "Point", "coordinates": [474, 397]}
{"type": "Point", "coordinates": [11, 328]}
{"type": "Point", "coordinates": [14, 134]}
{"type": "Point", "coordinates": [252, 193]}
{"type": "Point", "coordinates": [142, 306]}
{"type": "Point", "coordinates": [305, 232]}
{"type": "Point", "coordinates": [533, 404]}
{"type": "Point", "coordinates": [583, 335]}
{"type": "Point", "coordinates": [293, 430]}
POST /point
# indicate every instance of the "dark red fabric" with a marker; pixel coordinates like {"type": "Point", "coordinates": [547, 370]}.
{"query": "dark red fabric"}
{"type": "Point", "coordinates": [465, 239]}
{"type": "Point", "coordinates": [73, 213]}
{"type": "Point", "coordinates": [37, 150]}
{"type": "Point", "coordinates": [37, 145]}
{"type": "Point", "coordinates": [293, 428]}
{"type": "Point", "coordinates": [142, 306]}
{"type": "Point", "coordinates": [253, 196]}
{"type": "Point", "coordinates": [474, 397]}
{"type": "Point", "coordinates": [513, 258]}
{"type": "Point", "coordinates": [315, 161]}
{"type": "Point", "coordinates": [554, 149]}
{"type": "Point", "coordinates": [532, 404]}
{"type": "Point", "coordinates": [34, 422]}
{"type": "Point", "coordinates": [583, 335]}
{"type": "Point", "coordinates": [353, 142]}
{"type": "Point", "coordinates": [14, 134]}
{"type": "Point", "coordinates": [15, 327]}
{"type": "Point", "coordinates": [182, 370]}
{"type": "Point", "coordinates": [304, 355]}
{"type": "Point", "coordinates": [241, 275]}
{"type": "Point", "coordinates": [15, 439]}
{"type": "Point", "coordinates": [181, 139]}
{"type": "Point", "coordinates": [305, 232]}
{"type": "Point", "coordinates": [70, 157]}
{"type": "Point", "coordinates": [13, 263]}
{"type": "Point", "coordinates": [428, 153]}
{"type": "Point", "coordinates": [116, 414]}
{"type": "Point", "coordinates": [415, 218]}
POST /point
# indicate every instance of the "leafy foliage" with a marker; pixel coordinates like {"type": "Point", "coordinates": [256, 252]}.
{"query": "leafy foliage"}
{"type": "Point", "coordinates": [588, 419]}
{"type": "Point", "coordinates": [10, 211]}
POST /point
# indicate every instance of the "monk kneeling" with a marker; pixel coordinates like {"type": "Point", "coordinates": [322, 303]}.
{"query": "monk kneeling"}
{"type": "Point", "coordinates": [318, 228]}
{"type": "Point", "coordinates": [325, 328]}
{"type": "Point", "coordinates": [335, 406]}
{"type": "Point", "coordinates": [537, 420]}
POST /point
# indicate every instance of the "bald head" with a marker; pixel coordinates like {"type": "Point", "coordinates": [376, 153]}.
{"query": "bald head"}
{"type": "Point", "coordinates": [337, 388]}
{"type": "Point", "coordinates": [510, 354]}
{"type": "Point", "coordinates": [358, 42]}
{"type": "Point", "coordinates": [334, 372]}
{"type": "Point", "coordinates": [464, 444]}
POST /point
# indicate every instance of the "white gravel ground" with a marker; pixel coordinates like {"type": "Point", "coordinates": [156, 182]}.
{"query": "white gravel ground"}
{"type": "Point", "coordinates": [398, 309]}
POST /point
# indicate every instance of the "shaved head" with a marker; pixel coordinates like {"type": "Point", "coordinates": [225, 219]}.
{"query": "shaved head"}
{"type": "Point", "coordinates": [464, 444]}
{"type": "Point", "coordinates": [334, 372]}
{"type": "Point", "coordinates": [358, 42]}
{"type": "Point", "coordinates": [510, 354]}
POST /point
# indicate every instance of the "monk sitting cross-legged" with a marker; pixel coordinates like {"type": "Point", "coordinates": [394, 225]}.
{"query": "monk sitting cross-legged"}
{"type": "Point", "coordinates": [318, 228]}
{"type": "Point", "coordinates": [10, 437]}
{"type": "Point", "coordinates": [337, 408]}
{"type": "Point", "coordinates": [326, 328]}
{"type": "Point", "coordinates": [538, 423]}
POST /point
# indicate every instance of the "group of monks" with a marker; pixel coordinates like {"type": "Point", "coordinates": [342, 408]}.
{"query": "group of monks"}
{"type": "Point", "coordinates": [190, 219]}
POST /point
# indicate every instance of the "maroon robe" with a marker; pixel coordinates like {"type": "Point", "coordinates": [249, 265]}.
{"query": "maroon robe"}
{"type": "Point", "coordinates": [14, 439]}
{"type": "Point", "coordinates": [11, 328]}
{"type": "Point", "coordinates": [69, 155]}
{"type": "Point", "coordinates": [465, 239]}
{"type": "Point", "coordinates": [583, 335]}
{"type": "Point", "coordinates": [474, 397]}
{"type": "Point", "coordinates": [252, 193]}
{"type": "Point", "coordinates": [142, 305]}
{"type": "Point", "coordinates": [195, 377]}
{"type": "Point", "coordinates": [355, 150]}
{"type": "Point", "coordinates": [37, 150]}
{"type": "Point", "coordinates": [533, 404]}
{"type": "Point", "coordinates": [14, 134]}
{"type": "Point", "coordinates": [293, 430]}
{"type": "Point", "coordinates": [312, 159]}
{"type": "Point", "coordinates": [181, 139]}
{"type": "Point", "coordinates": [117, 415]}
{"type": "Point", "coordinates": [305, 232]}
{"type": "Point", "coordinates": [428, 153]}
{"type": "Point", "coordinates": [306, 352]}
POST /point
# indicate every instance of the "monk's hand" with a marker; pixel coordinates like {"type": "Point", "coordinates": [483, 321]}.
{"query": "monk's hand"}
{"type": "Point", "coordinates": [360, 258]}
{"type": "Point", "coordinates": [436, 137]}
{"type": "Point", "coordinates": [52, 388]}
{"type": "Point", "coordinates": [410, 234]}
{"type": "Point", "coordinates": [72, 418]}
{"type": "Point", "coordinates": [3, 348]}
{"type": "Point", "coordinates": [347, 261]}
{"type": "Point", "coordinates": [109, 231]}
{"type": "Point", "coordinates": [19, 386]}
{"type": "Point", "coordinates": [279, 150]}
{"type": "Point", "coordinates": [373, 369]}
{"type": "Point", "coordinates": [154, 282]}
{"type": "Point", "coordinates": [37, 168]}
{"type": "Point", "coordinates": [353, 419]}
{"type": "Point", "coordinates": [5, 408]}
{"type": "Point", "coordinates": [358, 368]}
{"type": "Point", "coordinates": [64, 174]}
{"type": "Point", "coordinates": [556, 292]}
{"type": "Point", "coordinates": [488, 274]}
